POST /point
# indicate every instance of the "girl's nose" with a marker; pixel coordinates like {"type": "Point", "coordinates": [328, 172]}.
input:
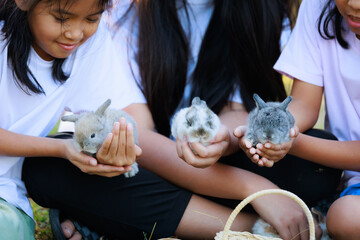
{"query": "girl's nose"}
{"type": "Point", "coordinates": [355, 4]}
{"type": "Point", "coordinates": [74, 33]}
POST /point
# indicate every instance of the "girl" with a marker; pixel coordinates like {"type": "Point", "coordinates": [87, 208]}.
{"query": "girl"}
{"type": "Point", "coordinates": [52, 56]}
{"type": "Point", "coordinates": [322, 56]}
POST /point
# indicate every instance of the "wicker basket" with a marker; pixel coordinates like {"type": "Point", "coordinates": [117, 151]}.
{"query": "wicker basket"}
{"type": "Point", "coordinates": [233, 235]}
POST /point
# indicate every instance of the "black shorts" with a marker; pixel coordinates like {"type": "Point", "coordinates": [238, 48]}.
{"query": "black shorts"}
{"type": "Point", "coordinates": [118, 206]}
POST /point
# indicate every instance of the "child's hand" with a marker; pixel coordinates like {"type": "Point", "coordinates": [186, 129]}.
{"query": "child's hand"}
{"type": "Point", "coordinates": [276, 152]}
{"type": "Point", "coordinates": [250, 151]}
{"type": "Point", "coordinates": [284, 214]}
{"type": "Point", "coordinates": [206, 156]}
{"type": "Point", "coordinates": [119, 147]}
{"type": "Point", "coordinates": [88, 164]}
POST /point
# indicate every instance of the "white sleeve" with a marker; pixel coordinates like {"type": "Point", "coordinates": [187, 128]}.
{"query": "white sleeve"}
{"type": "Point", "coordinates": [301, 57]}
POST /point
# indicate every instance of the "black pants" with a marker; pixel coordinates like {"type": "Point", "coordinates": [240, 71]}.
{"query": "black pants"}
{"type": "Point", "coordinates": [118, 207]}
{"type": "Point", "coordinates": [121, 207]}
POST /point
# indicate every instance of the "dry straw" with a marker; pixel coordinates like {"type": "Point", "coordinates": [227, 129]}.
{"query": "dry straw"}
{"type": "Point", "coordinates": [226, 234]}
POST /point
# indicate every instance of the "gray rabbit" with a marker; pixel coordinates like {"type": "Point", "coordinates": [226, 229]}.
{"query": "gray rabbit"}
{"type": "Point", "coordinates": [91, 129]}
{"type": "Point", "coordinates": [269, 122]}
{"type": "Point", "coordinates": [197, 122]}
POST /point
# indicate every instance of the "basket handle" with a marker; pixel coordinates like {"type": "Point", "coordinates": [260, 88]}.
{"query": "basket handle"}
{"type": "Point", "coordinates": [253, 196]}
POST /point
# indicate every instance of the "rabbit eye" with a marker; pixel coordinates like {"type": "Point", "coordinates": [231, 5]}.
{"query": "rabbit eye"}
{"type": "Point", "coordinates": [188, 122]}
{"type": "Point", "coordinates": [92, 135]}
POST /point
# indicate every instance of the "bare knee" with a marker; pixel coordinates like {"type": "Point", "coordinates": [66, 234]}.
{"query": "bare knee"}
{"type": "Point", "coordinates": [343, 218]}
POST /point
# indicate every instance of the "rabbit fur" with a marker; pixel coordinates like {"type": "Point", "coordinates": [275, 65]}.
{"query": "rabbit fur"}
{"type": "Point", "coordinates": [92, 128]}
{"type": "Point", "coordinates": [265, 229]}
{"type": "Point", "coordinates": [269, 122]}
{"type": "Point", "coordinates": [197, 123]}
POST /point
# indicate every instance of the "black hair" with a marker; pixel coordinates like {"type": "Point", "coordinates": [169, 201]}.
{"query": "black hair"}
{"type": "Point", "coordinates": [240, 47]}
{"type": "Point", "coordinates": [330, 24]}
{"type": "Point", "coordinates": [16, 32]}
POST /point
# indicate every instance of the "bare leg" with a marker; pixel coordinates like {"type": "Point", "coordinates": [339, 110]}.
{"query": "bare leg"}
{"type": "Point", "coordinates": [203, 219]}
{"type": "Point", "coordinates": [343, 218]}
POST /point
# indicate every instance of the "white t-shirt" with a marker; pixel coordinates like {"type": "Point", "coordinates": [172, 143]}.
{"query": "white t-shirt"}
{"type": "Point", "coordinates": [200, 12]}
{"type": "Point", "coordinates": [94, 77]}
{"type": "Point", "coordinates": [312, 59]}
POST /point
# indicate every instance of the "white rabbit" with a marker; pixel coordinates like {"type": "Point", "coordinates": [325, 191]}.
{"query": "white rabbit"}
{"type": "Point", "coordinates": [197, 122]}
{"type": "Point", "coordinates": [91, 129]}
{"type": "Point", "coordinates": [269, 122]}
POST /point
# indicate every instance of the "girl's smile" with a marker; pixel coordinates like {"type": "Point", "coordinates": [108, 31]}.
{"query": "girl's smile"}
{"type": "Point", "coordinates": [68, 47]}
{"type": "Point", "coordinates": [350, 10]}
{"type": "Point", "coordinates": [353, 22]}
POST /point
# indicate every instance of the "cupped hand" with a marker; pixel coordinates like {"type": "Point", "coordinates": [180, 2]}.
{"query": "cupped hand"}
{"type": "Point", "coordinates": [119, 148]}
{"type": "Point", "coordinates": [205, 155]}
{"type": "Point", "coordinates": [89, 164]}
{"type": "Point", "coordinates": [265, 154]}
{"type": "Point", "coordinates": [248, 148]}
{"type": "Point", "coordinates": [276, 152]}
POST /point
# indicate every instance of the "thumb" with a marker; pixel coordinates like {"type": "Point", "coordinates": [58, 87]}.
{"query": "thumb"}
{"type": "Point", "coordinates": [88, 160]}
{"type": "Point", "coordinates": [138, 151]}
{"type": "Point", "coordinates": [240, 131]}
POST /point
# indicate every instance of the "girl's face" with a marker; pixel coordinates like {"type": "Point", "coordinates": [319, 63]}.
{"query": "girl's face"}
{"type": "Point", "coordinates": [350, 10]}
{"type": "Point", "coordinates": [59, 29]}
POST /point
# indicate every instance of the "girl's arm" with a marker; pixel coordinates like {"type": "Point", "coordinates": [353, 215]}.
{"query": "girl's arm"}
{"type": "Point", "coordinates": [306, 104]}
{"type": "Point", "coordinates": [14, 144]}
{"type": "Point", "coordinates": [305, 108]}
{"type": "Point", "coordinates": [219, 180]}
{"type": "Point", "coordinates": [331, 153]}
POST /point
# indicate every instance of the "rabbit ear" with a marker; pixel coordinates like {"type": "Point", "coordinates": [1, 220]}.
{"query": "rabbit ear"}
{"type": "Point", "coordinates": [199, 102]}
{"type": "Point", "coordinates": [318, 214]}
{"type": "Point", "coordinates": [103, 107]}
{"type": "Point", "coordinates": [284, 105]}
{"type": "Point", "coordinates": [259, 102]}
{"type": "Point", "coordinates": [70, 118]}
{"type": "Point", "coordinates": [196, 101]}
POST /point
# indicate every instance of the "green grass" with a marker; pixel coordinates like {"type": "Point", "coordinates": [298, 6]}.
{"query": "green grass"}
{"type": "Point", "coordinates": [43, 228]}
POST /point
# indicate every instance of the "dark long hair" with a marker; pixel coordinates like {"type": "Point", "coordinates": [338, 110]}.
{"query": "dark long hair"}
{"type": "Point", "coordinates": [240, 47]}
{"type": "Point", "coordinates": [330, 24]}
{"type": "Point", "coordinates": [16, 32]}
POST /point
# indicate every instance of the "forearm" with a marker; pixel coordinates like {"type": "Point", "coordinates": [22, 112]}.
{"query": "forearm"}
{"type": "Point", "coordinates": [336, 154]}
{"type": "Point", "coordinates": [160, 157]}
{"type": "Point", "coordinates": [13, 144]}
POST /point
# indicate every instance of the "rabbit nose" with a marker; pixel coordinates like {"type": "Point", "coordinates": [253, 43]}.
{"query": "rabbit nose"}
{"type": "Point", "coordinates": [201, 131]}
{"type": "Point", "coordinates": [269, 135]}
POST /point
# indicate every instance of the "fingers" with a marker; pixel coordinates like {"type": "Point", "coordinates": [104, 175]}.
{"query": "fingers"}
{"type": "Point", "coordinates": [179, 148]}
{"type": "Point", "coordinates": [124, 139]}
{"type": "Point", "coordinates": [119, 147]}
{"type": "Point", "coordinates": [138, 151]}
{"type": "Point", "coordinates": [186, 153]}
{"type": "Point", "coordinates": [130, 144]}
{"type": "Point", "coordinates": [114, 148]}
{"type": "Point", "coordinates": [294, 132]}
{"type": "Point", "coordinates": [195, 160]}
